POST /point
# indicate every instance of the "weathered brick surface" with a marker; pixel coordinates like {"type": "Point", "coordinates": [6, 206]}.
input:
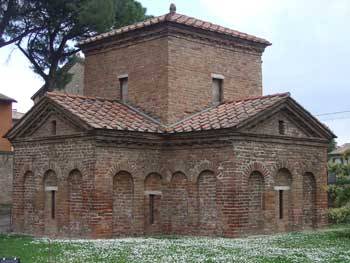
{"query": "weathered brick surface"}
{"type": "Point", "coordinates": [202, 190]}
{"type": "Point", "coordinates": [77, 204]}
{"type": "Point", "coordinates": [191, 64]}
{"type": "Point", "coordinates": [146, 65]}
{"type": "Point", "coordinates": [49, 163]}
{"type": "Point", "coordinates": [118, 182]}
{"type": "Point", "coordinates": [62, 127]}
{"type": "Point", "coordinates": [309, 199]}
{"type": "Point", "coordinates": [256, 202]}
{"type": "Point", "coordinates": [270, 126]}
{"type": "Point", "coordinates": [172, 65]}
{"type": "Point", "coordinates": [123, 204]}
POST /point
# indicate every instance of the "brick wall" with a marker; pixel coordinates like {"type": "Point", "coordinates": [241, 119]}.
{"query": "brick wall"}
{"type": "Point", "coordinates": [6, 165]}
{"type": "Point", "coordinates": [295, 162]}
{"type": "Point", "coordinates": [191, 65]}
{"type": "Point", "coordinates": [170, 66]}
{"type": "Point", "coordinates": [271, 126]}
{"type": "Point", "coordinates": [34, 162]}
{"type": "Point", "coordinates": [178, 204]}
{"type": "Point", "coordinates": [77, 208]}
{"type": "Point", "coordinates": [76, 85]}
{"type": "Point", "coordinates": [256, 202]}
{"type": "Point", "coordinates": [55, 125]}
{"type": "Point", "coordinates": [226, 190]}
{"type": "Point", "coordinates": [123, 204]}
{"type": "Point", "coordinates": [146, 65]}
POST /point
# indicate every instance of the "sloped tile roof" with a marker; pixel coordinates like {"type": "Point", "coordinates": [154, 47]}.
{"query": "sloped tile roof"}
{"type": "Point", "coordinates": [229, 114]}
{"type": "Point", "coordinates": [111, 114]}
{"type": "Point", "coordinates": [178, 19]}
{"type": "Point", "coordinates": [5, 98]}
{"type": "Point", "coordinates": [105, 114]}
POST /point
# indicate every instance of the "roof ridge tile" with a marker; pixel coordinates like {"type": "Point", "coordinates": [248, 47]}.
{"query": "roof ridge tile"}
{"type": "Point", "coordinates": [179, 19]}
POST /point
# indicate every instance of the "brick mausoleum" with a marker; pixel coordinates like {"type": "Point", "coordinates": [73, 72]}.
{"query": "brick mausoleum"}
{"type": "Point", "coordinates": [172, 136]}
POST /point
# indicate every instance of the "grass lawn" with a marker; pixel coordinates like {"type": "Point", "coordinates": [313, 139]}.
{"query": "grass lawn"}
{"type": "Point", "coordinates": [331, 245]}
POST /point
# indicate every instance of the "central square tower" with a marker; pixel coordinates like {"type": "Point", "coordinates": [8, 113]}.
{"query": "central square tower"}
{"type": "Point", "coordinates": [173, 66]}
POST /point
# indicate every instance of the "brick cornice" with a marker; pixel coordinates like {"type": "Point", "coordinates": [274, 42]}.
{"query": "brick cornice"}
{"type": "Point", "coordinates": [173, 30]}
{"type": "Point", "coordinates": [212, 138]}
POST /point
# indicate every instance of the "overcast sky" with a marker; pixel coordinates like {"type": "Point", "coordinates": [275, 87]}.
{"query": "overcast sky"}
{"type": "Point", "coordinates": [309, 56]}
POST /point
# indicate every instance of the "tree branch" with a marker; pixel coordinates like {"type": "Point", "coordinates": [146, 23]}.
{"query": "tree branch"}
{"type": "Point", "coordinates": [33, 61]}
{"type": "Point", "coordinates": [4, 43]}
{"type": "Point", "coordinates": [68, 54]}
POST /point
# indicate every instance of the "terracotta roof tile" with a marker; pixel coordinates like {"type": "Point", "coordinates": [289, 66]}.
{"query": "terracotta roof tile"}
{"type": "Point", "coordinates": [102, 113]}
{"type": "Point", "coordinates": [228, 114]}
{"type": "Point", "coordinates": [111, 114]}
{"type": "Point", "coordinates": [178, 19]}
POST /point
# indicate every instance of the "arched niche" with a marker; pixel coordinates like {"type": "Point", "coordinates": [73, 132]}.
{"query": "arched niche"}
{"type": "Point", "coordinates": [309, 200]}
{"type": "Point", "coordinates": [153, 204]}
{"type": "Point", "coordinates": [28, 202]}
{"type": "Point", "coordinates": [207, 202]}
{"type": "Point", "coordinates": [123, 203]}
{"type": "Point", "coordinates": [256, 202]}
{"type": "Point", "coordinates": [50, 202]}
{"type": "Point", "coordinates": [178, 203]}
{"type": "Point", "coordinates": [283, 199]}
{"type": "Point", "coordinates": [76, 203]}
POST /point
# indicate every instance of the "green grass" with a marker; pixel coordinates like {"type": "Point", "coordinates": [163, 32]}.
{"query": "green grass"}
{"type": "Point", "coordinates": [330, 245]}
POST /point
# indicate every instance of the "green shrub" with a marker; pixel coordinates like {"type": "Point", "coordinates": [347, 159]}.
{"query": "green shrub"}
{"type": "Point", "coordinates": [339, 215]}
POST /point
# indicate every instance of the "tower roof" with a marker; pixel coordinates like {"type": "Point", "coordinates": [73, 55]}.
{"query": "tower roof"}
{"type": "Point", "coordinates": [176, 18]}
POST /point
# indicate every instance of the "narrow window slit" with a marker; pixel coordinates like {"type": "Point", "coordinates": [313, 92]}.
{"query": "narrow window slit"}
{"type": "Point", "coordinates": [123, 81]}
{"type": "Point", "coordinates": [151, 209]}
{"type": "Point", "coordinates": [217, 88]}
{"type": "Point", "coordinates": [53, 202]}
{"type": "Point", "coordinates": [280, 204]}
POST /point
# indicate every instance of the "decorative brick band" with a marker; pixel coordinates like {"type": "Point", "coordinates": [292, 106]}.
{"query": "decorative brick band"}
{"type": "Point", "coordinates": [129, 167]}
{"type": "Point", "coordinates": [256, 167]}
{"type": "Point", "coordinates": [201, 167]}
{"type": "Point", "coordinates": [284, 164]}
{"type": "Point", "coordinates": [71, 166]}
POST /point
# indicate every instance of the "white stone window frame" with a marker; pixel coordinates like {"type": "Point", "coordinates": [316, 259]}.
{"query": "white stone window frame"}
{"type": "Point", "coordinates": [51, 188]}
{"type": "Point", "coordinates": [283, 188]}
{"type": "Point", "coordinates": [217, 88]}
{"type": "Point", "coordinates": [123, 87]}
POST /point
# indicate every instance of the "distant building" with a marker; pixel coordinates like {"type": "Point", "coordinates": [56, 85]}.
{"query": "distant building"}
{"type": "Point", "coordinates": [16, 116]}
{"type": "Point", "coordinates": [6, 121]}
{"type": "Point", "coordinates": [337, 155]}
{"type": "Point", "coordinates": [8, 117]}
{"type": "Point", "coordinates": [75, 66]}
